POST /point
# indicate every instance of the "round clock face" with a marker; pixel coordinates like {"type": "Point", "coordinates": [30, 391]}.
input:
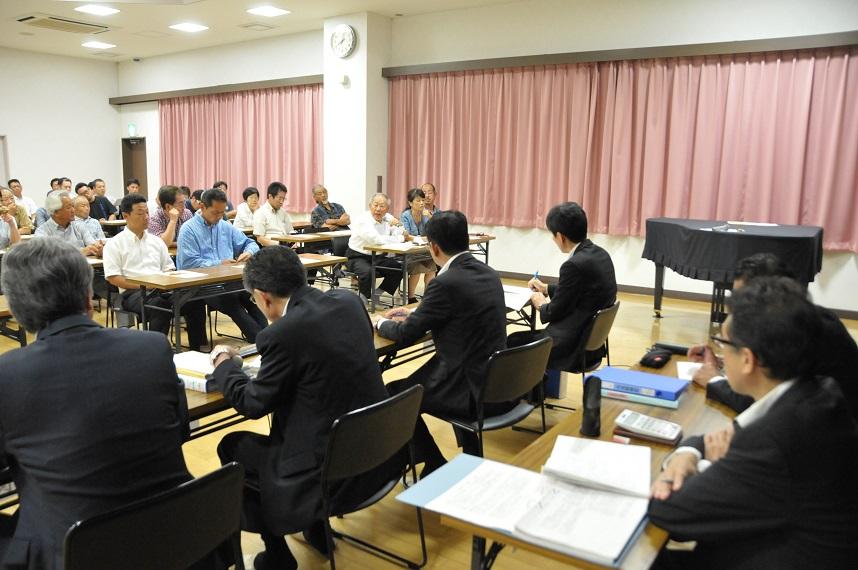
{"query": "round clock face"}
{"type": "Point", "coordinates": [343, 40]}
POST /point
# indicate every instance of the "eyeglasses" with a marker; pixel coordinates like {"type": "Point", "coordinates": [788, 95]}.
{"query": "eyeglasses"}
{"type": "Point", "coordinates": [721, 342]}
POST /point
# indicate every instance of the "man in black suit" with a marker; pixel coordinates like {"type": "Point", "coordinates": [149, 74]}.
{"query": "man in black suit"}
{"type": "Point", "coordinates": [311, 373]}
{"type": "Point", "coordinates": [835, 354]}
{"type": "Point", "coordinates": [80, 438]}
{"type": "Point", "coordinates": [781, 488]}
{"type": "Point", "coordinates": [586, 285]}
{"type": "Point", "coordinates": [464, 308]}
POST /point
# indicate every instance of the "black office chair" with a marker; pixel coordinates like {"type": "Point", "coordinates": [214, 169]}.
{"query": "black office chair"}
{"type": "Point", "coordinates": [169, 531]}
{"type": "Point", "coordinates": [362, 440]}
{"type": "Point", "coordinates": [597, 338]}
{"type": "Point", "coordinates": [513, 373]}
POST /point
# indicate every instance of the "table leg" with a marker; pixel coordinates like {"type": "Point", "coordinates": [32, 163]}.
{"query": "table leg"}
{"type": "Point", "coordinates": [659, 289]}
{"type": "Point", "coordinates": [143, 308]}
{"type": "Point", "coordinates": [177, 323]}
{"type": "Point", "coordinates": [403, 290]}
{"type": "Point", "coordinates": [372, 284]}
{"type": "Point", "coordinates": [478, 553]}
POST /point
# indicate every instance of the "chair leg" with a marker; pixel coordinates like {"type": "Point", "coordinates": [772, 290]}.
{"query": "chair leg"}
{"type": "Point", "coordinates": [235, 544]}
{"type": "Point", "coordinates": [329, 539]}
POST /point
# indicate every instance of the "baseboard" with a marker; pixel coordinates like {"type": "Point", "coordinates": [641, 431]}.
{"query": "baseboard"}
{"type": "Point", "coordinates": [668, 293]}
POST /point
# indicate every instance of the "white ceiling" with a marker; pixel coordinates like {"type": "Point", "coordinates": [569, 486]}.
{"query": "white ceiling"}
{"type": "Point", "coordinates": [141, 28]}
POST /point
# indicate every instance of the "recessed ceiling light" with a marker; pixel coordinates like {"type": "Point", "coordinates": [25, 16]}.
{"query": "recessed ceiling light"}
{"type": "Point", "coordinates": [267, 11]}
{"type": "Point", "coordinates": [189, 27]}
{"type": "Point", "coordinates": [97, 45]}
{"type": "Point", "coordinates": [96, 10]}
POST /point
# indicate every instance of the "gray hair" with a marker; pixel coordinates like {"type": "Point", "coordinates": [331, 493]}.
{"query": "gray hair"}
{"type": "Point", "coordinates": [44, 280]}
{"type": "Point", "coordinates": [383, 195]}
{"type": "Point", "coordinates": [318, 187]}
{"type": "Point", "coordinates": [54, 200]}
{"type": "Point", "coordinates": [4, 189]}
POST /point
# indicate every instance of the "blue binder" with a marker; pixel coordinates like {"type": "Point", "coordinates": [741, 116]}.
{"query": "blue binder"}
{"type": "Point", "coordinates": [641, 383]}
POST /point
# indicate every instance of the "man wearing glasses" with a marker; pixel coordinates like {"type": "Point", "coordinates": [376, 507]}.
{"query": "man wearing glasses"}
{"type": "Point", "coordinates": [778, 490]}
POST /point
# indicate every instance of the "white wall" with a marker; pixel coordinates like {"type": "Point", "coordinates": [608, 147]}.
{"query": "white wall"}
{"type": "Point", "coordinates": [557, 26]}
{"type": "Point", "coordinates": [144, 116]}
{"type": "Point", "coordinates": [280, 57]}
{"type": "Point", "coordinates": [55, 115]}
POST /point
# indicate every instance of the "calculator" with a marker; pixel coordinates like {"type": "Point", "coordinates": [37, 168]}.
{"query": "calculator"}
{"type": "Point", "coordinates": [647, 426]}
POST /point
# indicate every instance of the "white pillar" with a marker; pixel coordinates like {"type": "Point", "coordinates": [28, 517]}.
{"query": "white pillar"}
{"type": "Point", "coordinates": [355, 115]}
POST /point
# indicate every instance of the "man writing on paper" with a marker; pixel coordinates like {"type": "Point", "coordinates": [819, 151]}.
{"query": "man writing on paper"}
{"type": "Point", "coordinates": [135, 251]}
{"type": "Point", "coordinates": [464, 308]}
{"type": "Point", "coordinates": [81, 438]}
{"type": "Point", "coordinates": [780, 490]}
{"type": "Point", "coordinates": [208, 240]}
{"type": "Point", "coordinates": [835, 355]}
{"type": "Point", "coordinates": [310, 375]}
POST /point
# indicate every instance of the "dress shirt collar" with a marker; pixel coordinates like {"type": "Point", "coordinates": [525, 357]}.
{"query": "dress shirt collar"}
{"type": "Point", "coordinates": [64, 323]}
{"type": "Point", "coordinates": [761, 407]}
{"type": "Point", "coordinates": [450, 261]}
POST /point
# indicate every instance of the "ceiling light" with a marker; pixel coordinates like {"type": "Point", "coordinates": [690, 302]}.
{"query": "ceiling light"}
{"type": "Point", "coordinates": [267, 11]}
{"type": "Point", "coordinates": [97, 45]}
{"type": "Point", "coordinates": [189, 27]}
{"type": "Point", "coordinates": [96, 10]}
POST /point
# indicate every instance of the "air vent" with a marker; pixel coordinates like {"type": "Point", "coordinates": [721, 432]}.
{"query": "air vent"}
{"type": "Point", "coordinates": [61, 24]}
{"type": "Point", "coordinates": [257, 27]}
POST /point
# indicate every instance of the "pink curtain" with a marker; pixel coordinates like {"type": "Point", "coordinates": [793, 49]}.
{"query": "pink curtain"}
{"type": "Point", "coordinates": [769, 137]}
{"type": "Point", "coordinates": [248, 138]}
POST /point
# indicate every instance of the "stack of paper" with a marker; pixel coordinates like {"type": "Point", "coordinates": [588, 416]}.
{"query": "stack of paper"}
{"type": "Point", "coordinates": [516, 298]}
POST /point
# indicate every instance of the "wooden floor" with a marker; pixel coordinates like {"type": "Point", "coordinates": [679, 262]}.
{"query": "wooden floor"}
{"type": "Point", "coordinates": [393, 524]}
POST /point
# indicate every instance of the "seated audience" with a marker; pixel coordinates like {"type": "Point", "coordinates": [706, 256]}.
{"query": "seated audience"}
{"type": "Point", "coordinates": [586, 285]}
{"type": "Point", "coordinates": [308, 378]}
{"type": "Point", "coordinates": [193, 203]}
{"type": "Point", "coordinates": [327, 214]}
{"type": "Point", "coordinates": [81, 438]}
{"type": "Point", "coordinates": [375, 227]}
{"type": "Point", "coordinates": [65, 184]}
{"type": "Point", "coordinates": [464, 308]}
{"type": "Point", "coordinates": [16, 211]}
{"type": "Point", "coordinates": [82, 217]}
{"type": "Point", "coordinates": [836, 353]}
{"type": "Point", "coordinates": [778, 487]}
{"type": "Point", "coordinates": [414, 221]}
{"type": "Point", "coordinates": [430, 194]}
{"type": "Point", "coordinates": [132, 186]}
{"type": "Point", "coordinates": [9, 234]}
{"type": "Point", "coordinates": [271, 219]}
{"type": "Point", "coordinates": [230, 209]}
{"type": "Point", "coordinates": [55, 184]}
{"type": "Point", "coordinates": [244, 213]}
{"type": "Point", "coordinates": [24, 201]}
{"type": "Point", "coordinates": [101, 208]}
{"type": "Point", "coordinates": [134, 252]}
{"type": "Point", "coordinates": [168, 219]}
{"type": "Point", "coordinates": [62, 224]}
{"type": "Point", "coordinates": [208, 240]}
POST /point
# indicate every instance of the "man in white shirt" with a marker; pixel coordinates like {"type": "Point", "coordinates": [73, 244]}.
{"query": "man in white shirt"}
{"type": "Point", "coordinates": [375, 227]}
{"type": "Point", "coordinates": [271, 218]}
{"type": "Point", "coordinates": [134, 251]}
{"type": "Point", "coordinates": [27, 203]}
{"type": "Point", "coordinates": [81, 213]}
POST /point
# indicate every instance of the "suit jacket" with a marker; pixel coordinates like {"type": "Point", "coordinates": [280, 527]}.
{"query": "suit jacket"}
{"type": "Point", "coordinates": [464, 308]}
{"type": "Point", "coordinates": [835, 356]}
{"type": "Point", "coordinates": [784, 496]}
{"type": "Point", "coordinates": [318, 363]}
{"type": "Point", "coordinates": [586, 285]}
{"type": "Point", "coordinates": [82, 438]}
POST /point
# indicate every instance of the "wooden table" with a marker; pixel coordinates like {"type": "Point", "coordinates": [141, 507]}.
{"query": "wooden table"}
{"type": "Point", "coordinates": [696, 415]}
{"type": "Point", "coordinates": [18, 334]}
{"type": "Point", "coordinates": [112, 227]}
{"type": "Point", "coordinates": [214, 282]}
{"type": "Point", "coordinates": [479, 243]}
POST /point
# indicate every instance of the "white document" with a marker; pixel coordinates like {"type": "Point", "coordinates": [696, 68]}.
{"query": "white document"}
{"type": "Point", "coordinates": [601, 465]}
{"type": "Point", "coordinates": [584, 521]}
{"type": "Point", "coordinates": [193, 361]}
{"type": "Point", "coordinates": [338, 233]}
{"type": "Point", "coordinates": [494, 495]}
{"type": "Point", "coordinates": [516, 298]}
{"type": "Point", "coordinates": [184, 274]}
{"type": "Point", "coordinates": [405, 246]}
{"type": "Point", "coordinates": [685, 370]}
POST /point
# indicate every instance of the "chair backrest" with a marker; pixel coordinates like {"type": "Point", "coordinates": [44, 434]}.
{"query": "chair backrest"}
{"type": "Point", "coordinates": [513, 372]}
{"type": "Point", "coordinates": [169, 531]}
{"type": "Point", "coordinates": [367, 437]}
{"type": "Point", "coordinates": [603, 320]}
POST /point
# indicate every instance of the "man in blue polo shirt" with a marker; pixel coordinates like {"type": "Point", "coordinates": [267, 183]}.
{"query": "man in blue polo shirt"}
{"type": "Point", "coordinates": [208, 240]}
